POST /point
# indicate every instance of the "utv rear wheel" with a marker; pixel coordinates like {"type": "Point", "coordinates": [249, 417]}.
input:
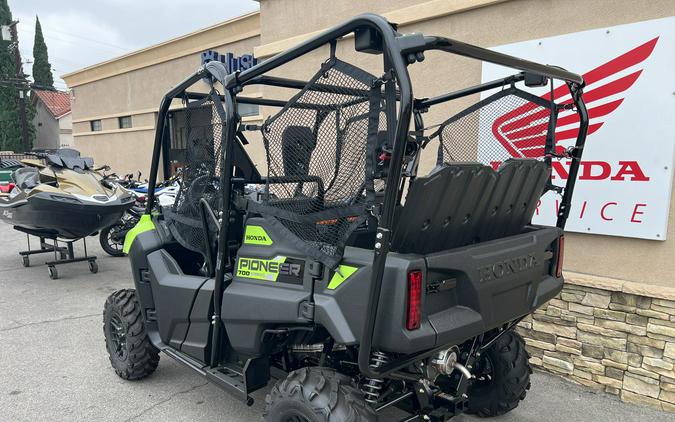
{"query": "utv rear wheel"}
{"type": "Point", "coordinates": [131, 354]}
{"type": "Point", "coordinates": [502, 377]}
{"type": "Point", "coordinates": [317, 394]}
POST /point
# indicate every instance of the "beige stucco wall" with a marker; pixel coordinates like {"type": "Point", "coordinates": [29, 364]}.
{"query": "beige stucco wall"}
{"type": "Point", "coordinates": [46, 128]}
{"type": "Point", "coordinates": [135, 84]}
{"type": "Point", "coordinates": [281, 19]}
{"type": "Point", "coordinates": [137, 93]}
{"type": "Point", "coordinates": [66, 131]}
{"type": "Point", "coordinates": [499, 23]}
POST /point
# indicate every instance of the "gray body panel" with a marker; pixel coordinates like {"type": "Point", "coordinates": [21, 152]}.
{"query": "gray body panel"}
{"type": "Point", "coordinates": [472, 306]}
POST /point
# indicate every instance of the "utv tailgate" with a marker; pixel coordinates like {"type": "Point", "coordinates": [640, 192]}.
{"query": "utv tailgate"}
{"type": "Point", "coordinates": [494, 282]}
{"type": "Point", "coordinates": [466, 291]}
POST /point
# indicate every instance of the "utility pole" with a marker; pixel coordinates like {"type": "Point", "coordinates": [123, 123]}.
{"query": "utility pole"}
{"type": "Point", "coordinates": [21, 99]}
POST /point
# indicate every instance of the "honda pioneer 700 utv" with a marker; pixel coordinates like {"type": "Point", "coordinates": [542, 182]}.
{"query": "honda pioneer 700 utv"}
{"type": "Point", "coordinates": [354, 282]}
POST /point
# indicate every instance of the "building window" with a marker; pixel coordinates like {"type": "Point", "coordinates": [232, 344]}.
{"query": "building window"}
{"type": "Point", "coordinates": [124, 122]}
{"type": "Point", "coordinates": [96, 126]}
{"type": "Point", "coordinates": [248, 109]}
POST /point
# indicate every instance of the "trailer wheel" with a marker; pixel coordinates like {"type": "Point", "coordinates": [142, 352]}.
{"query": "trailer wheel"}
{"type": "Point", "coordinates": [317, 394]}
{"type": "Point", "coordinates": [502, 377]}
{"type": "Point", "coordinates": [53, 274]}
{"type": "Point", "coordinates": [132, 356]}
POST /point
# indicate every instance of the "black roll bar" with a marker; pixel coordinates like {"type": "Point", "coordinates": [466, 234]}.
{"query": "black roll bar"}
{"type": "Point", "coordinates": [223, 261]}
{"type": "Point", "coordinates": [576, 152]}
{"type": "Point", "coordinates": [425, 103]}
{"type": "Point", "coordinates": [491, 56]}
{"type": "Point", "coordinates": [159, 133]}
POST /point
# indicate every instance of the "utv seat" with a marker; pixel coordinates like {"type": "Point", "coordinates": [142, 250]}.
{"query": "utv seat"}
{"type": "Point", "coordinates": [475, 204]}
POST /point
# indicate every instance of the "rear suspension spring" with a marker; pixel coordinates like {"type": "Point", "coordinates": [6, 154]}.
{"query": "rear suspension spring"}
{"type": "Point", "coordinates": [372, 387]}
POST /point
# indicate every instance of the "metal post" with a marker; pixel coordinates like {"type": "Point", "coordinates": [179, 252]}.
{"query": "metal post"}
{"type": "Point", "coordinates": [21, 99]}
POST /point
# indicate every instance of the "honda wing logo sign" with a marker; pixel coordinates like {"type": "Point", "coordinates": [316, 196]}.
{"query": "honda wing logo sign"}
{"type": "Point", "coordinates": [625, 178]}
{"type": "Point", "coordinates": [600, 85]}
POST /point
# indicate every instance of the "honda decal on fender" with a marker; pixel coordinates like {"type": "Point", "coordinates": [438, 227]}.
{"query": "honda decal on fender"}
{"type": "Point", "coordinates": [625, 178]}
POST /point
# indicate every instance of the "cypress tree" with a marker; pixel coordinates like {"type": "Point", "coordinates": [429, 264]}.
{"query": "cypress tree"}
{"type": "Point", "coordinates": [42, 70]}
{"type": "Point", "coordinates": [10, 128]}
{"type": "Point", "coordinates": [10, 124]}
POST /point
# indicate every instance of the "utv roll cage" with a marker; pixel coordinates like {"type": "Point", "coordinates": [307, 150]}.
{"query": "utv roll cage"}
{"type": "Point", "coordinates": [373, 34]}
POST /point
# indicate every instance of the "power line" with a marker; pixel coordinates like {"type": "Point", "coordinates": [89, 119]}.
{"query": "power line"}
{"type": "Point", "coordinates": [74, 36]}
{"type": "Point", "coordinates": [51, 56]}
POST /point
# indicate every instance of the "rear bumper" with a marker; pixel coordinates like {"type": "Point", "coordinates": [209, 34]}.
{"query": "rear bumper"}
{"type": "Point", "coordinates": [467, 291]}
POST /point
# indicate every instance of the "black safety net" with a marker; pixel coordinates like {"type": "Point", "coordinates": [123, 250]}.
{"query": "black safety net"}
{"type": "Point", "coordinates": [202, 124]}
{"type": "Point", "coordinates": [509, 124]}
{"type": "Point", "coordinates": [493, 166]}
{"type": "Point", "coordinates": [320, 156]}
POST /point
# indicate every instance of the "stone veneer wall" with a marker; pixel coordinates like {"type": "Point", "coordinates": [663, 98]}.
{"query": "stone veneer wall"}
{"type": "Point", "coordinates": [618, 337]}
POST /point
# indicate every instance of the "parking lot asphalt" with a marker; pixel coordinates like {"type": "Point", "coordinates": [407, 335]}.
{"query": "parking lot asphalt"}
{"type": "Point", "coordinates": [54, 366]}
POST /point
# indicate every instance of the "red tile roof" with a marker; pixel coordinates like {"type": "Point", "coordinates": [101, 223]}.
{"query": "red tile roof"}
{"type": "Point", "coordinates": [57, 102]}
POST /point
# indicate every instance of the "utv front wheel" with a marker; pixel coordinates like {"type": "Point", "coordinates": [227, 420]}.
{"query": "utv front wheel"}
{"type": "Point", "coordinates": [317, 394]}
{"type": "Point", "coordinates": [131, 354]}
{"type": "Point", "coordinates": [502, 377]}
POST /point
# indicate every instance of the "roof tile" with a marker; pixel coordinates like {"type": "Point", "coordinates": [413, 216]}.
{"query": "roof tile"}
{"type": "Point", "coordinates": [57, 102]}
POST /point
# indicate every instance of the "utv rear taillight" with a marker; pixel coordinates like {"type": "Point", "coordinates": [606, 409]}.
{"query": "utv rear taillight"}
{"type": "Point", "coordinates": [414, 308]}
{"type": "Point", "coordinates": [561, 257]}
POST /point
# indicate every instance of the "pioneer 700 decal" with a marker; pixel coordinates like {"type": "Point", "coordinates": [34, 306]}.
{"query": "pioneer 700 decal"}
{"type": "Point", "coordinates": [280, 269]}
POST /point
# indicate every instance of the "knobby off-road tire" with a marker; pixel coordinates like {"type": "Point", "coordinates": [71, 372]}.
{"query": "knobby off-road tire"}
{"type": "Point", "coordinates": [317, 394]}
{"type": "Point", "coordinates": [132, 356]}
{"type": "Point", "coordinates": [506, 379]}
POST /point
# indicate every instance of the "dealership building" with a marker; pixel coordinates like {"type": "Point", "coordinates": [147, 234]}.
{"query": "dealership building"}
{"type": "Point", "coordinates": [613, 327]}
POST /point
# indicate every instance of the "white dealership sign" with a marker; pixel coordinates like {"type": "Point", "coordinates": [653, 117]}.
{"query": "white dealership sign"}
{"type": "Point", "coordinates": [625, 180]}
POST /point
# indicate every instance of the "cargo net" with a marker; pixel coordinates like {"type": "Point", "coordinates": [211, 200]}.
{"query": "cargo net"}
{"type": "Point", "coordinates": [203, 129]}
{"type": "Point", "coordinates": [320, 181]}
{"type": "Point", "coordinates": [509, 124]}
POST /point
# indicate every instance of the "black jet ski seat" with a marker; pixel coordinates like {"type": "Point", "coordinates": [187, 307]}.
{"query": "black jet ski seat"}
{"type": "Point", "coordinates": [26, 177]}
{"type": "Point", "coordinates": [476, 204]}
{"type": "Point", "coordinates": [70, 159]}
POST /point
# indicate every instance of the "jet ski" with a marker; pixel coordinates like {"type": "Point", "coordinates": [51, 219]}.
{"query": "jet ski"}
{"type": "Point", "coordinates": [61, 195]}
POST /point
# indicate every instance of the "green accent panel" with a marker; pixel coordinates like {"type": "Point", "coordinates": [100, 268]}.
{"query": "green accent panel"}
{"type": "Point", "coordinates": [144, 224]}
{"type": "Point", "coordinates": [259, 269]}
{"type": "Point", "coordinates": [341, 275]}
{"type": "Point", "coordinates": [256, 235]}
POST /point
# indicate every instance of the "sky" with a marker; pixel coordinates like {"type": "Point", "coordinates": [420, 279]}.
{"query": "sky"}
{"type": "Point", "coordinates": [80, 33]}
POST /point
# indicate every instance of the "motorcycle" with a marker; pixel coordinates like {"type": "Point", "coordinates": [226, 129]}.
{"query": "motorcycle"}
{"type": "Point", "coordinates": [112, 238]}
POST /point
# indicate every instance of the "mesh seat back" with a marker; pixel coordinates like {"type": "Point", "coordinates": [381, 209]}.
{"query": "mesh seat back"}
{"type": "Point", "coordinates": [320, 176]}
